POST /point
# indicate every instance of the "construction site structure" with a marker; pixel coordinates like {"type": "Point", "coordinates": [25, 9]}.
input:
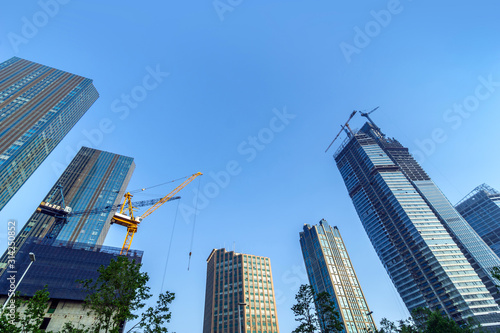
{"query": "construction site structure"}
{"type": "Point", "coordinates": [348, 129]}
{"type": "Point", "coordinates": [61, 214]}
{"type": "Point", "coordinates": [131, 222]}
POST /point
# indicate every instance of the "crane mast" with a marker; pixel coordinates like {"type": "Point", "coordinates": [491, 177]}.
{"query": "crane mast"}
{"type": "Point", "coordinates": [346, 125]}
{"type": "Point", "coordinates": [367, 116]}
{"type": "Point", "coordinates": [131, 222]}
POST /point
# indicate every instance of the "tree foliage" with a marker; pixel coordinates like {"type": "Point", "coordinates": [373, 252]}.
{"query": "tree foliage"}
{"type": "Point", "coordinates": [495, 272]}
{"type": "Point", "coordinates": [327, 314]}
{"type": "Point", "coordinates": [13, 321]}
{"type": "Point", "coordinates": [118, 292]}
{"type": "Point", "coordinates": [11, 315]}
{"type": "Point", "coordinates": [35, 310]}
{"type": "Point", "coordinates": [313, 309]}
{"type": "Point", "coordinates": [153, 319]}
{"type": "Point", "coordinates": [304, 311]}
{"type": "Point", "coordinates": [423, 320]}
{"type": "Point", "coordinates": [70, 328]}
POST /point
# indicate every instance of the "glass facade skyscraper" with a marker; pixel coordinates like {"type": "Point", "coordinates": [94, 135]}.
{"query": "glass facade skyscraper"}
{"type": "Point", "coordinates": [239, 291]}
{"type": "Point", "coordinates": [330, 270]}
{"type": "Point", "coordinates": [481, 208]}
{"type": "Point", "coordinates": [38, 107]}
{"type": "Point", "coordinates": [432, 256]}
{"type": "Point", "coordinates": [93, 179]}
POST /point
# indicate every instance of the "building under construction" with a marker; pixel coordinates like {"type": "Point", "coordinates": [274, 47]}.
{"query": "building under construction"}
{"type": "Point", "coordinates": [93, 179]}
{"type": "Point", "coordinates": [60, 267]}
{"type": "Point", "coordinates": [431, 254]}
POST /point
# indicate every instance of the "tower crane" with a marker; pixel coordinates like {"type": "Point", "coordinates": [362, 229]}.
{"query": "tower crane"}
{"type": "Point", "coordinates": [132, 222]}
{"type": "Point", "coordinates": [367, 116]}
{"type": "Point", "coordinates": [61, 214]}
{"type": "Point", "coordinates": [342, 128]}
{"type": "Point", "coordinates": [58, 212]}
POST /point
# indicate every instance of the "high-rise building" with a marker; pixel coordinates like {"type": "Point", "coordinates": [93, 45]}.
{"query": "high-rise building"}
{"type": "Point", "coordinates": [481, 208]}
{"type": "Point", "coordinates": [93, 180]}
{"type": "Point", "coordinates": [239, 291]}
{"type": "Point", "coordinates": [431, 254]}
{"type": "Point", "coordinates": [330, 270]}
{"type": "Point", "coordinates": [38, 107]}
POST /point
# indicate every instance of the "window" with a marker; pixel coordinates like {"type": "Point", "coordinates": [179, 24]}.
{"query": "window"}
{"type": "Point", "coordinates": [45, 323]}
{"type": "Point", "coordinates": [53, 306]}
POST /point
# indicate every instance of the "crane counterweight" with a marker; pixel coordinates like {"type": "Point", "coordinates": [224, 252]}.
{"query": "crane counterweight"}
{"type": "Point", "coordinates": [125, 220]}
{"type": "Point", "coordinates": [53, 210]}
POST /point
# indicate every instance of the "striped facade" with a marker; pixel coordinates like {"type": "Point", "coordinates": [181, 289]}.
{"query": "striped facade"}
{"type": "Point", "coordinates": [432, 261]}
{"type": "Point", "coordinates": [38, 107]}
{"type": "Point", "coordinates": [330, 270]}
{"type": "Point", "coordinates": [234, 279]}
{"type": "Point", "coordinates": [481, 209]}
{"type": "Point", "coordinates": [93, 179]}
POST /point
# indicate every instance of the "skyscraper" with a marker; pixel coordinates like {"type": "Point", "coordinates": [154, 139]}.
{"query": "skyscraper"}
{"type": "Point", "coordinates": [38, 107]}
{"type": "Point", "coordinates": [431, 254]}
{"type": "Point", "coordinates": [93, 179]}
{"type": "Point", "coordinates": [481, 208]}
{"type": "Point", "coordinates": [239, 291]}
{"type": "Point", "coordinates": [330, 270]}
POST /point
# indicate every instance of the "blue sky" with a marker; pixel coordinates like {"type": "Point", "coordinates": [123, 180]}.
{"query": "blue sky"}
{"type": "Point", "coordinates": [251, 93]}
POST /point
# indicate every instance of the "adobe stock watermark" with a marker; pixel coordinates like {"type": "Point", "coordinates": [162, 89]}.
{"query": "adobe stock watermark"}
{"type": "Point", "coordinates": [223, 6]}
{"type": "Point", "coordinates": [10, 308]}
{"type": "Point", "coordinates": [30, 26]}
{"type": "Point", "coordinates": [454, 117]}
{"type": "Point", "coordinates": [363, 36]}
{"type": "Point", "coordinates": [122, 107]}
{"type": "Point", "coordinates": [249, 149]}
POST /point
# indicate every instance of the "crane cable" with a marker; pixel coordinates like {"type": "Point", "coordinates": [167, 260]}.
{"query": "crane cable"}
{"type": "Point", "coordinates": [157, 185]}
{"type": "Point", "coordinates": [169, 247]}
{"type": "Point", "coordinates": [194, 223]}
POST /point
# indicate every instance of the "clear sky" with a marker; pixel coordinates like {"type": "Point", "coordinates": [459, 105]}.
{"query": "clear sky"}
{"type": "Point", "coordinates": [251, 93]}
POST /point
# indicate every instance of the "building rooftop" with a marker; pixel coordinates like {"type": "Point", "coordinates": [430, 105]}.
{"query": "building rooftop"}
{"type": "Point", "coordinates": [481, 188]}
{"type": "Point", "coordinates": [60, 268]}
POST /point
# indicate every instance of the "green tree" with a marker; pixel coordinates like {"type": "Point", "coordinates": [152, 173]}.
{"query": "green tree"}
{"type": "Point", "coordinates": [428, 321]}
{"type": "Point", "coordinates": [152, 319]}
{"type": "Point", "coordinates": [118, 294]}
{"type": "Point", "coordinates": [304, 311]}
{"type": "Point", "coordinates": [11, 315]}
{"type": "Point", "coordinates": [327, 313]}
{"type": "Point", "coordinates": [31, 319]}
{"type": "Point", "coordinates": [423, 320]}
{"type": "Point", "coordinates": [495, 272]}
{"type": "Point", "coordinates": [70, 328]}
{"type": "Point", "coordinates": [35, 310]}
{"type": "Point", "coordinates": [312, 308]}
{"type": "Point", "coordinates": [387, 326]}
{"type": "Point", "coordinates": [119, 291]}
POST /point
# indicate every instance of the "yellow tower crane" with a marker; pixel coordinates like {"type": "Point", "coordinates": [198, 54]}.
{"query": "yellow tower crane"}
{"type": "Point", "coordinates": [132, 222]}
